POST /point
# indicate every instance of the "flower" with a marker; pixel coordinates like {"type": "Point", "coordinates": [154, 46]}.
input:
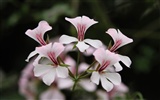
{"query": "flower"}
{"type": "Point", "coordinates": [27, 83]}
{"type": "Point", "coordinates": [119, 41]}
{"type": "Point", "coordinates": [106, 59]}
{"type": "Point", "coordinates": [48, 72]}
{"type": "Point", "coordinates": [81, 24]}
{"type": "Point", "coordinates": [37, 34]}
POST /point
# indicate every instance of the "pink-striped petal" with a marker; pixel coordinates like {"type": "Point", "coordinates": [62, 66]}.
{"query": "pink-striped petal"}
{"type": "Point", "coordinates": [57, 48]}
{"type": "Point", "coordinates": [38, 33]}
{"type": "Point", "coordinates": [100, 55]}
{"type": "Point", "coordinates": [118, 37]}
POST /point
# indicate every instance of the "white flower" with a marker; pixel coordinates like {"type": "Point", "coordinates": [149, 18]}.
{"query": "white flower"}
{"type": "Point", "coordinates": [48, 72]}
{"type": "Point", "coordinates": [37, 34]}
{"type": "Point", "coordinates": [81, 24]}
{"type": "Point", "coordinates": [106, 59]}
{"type": "Point", "coordinates": [119, 41]}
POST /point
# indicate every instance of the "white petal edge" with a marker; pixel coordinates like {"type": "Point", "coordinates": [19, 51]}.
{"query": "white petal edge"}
{"type": "Point", "coordinates": [108, 86]}
{"type": "Point", "coordinates": [33, 53]}
{"type": "Point", "coordinates": [95, 77]}
{"type": "Point", "coordinates": [118, 67]}
{"type": "Point", "coordinates": [49, 77]}
{"type": "Point", "coordinates": [115, 78]}
{"type": "Point", "coordinates": [126, 60]}
{"type": "Point", "coordinates": [62, 72]}
{"type": "Point", "coordinates": [94, 43]}
{"type": "Point", "coordinates": [40, 70]}
{"type": "Point", "coordinates": [82, 46]}
{"type": "Point", "coordinates": [65, 39]}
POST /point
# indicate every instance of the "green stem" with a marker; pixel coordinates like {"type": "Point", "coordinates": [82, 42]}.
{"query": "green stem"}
{"type": "Point", "coordinates": [84, 73]}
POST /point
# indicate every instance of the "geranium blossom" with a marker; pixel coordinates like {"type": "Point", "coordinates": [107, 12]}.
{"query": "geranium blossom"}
{"type": "Point", "coordinates": [48, 72]}
{"type": "Point", "coordinates": [106, 59]}
{"type": "Point", "coordinates": [119, 41]}
{"type": "Point", "coordinates": [38, 35]}
{"type": "Point", "coordinates": [81, 24]}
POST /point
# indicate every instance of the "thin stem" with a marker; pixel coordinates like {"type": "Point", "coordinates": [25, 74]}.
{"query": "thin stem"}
{"type": "Point", "coordinates": [83, 74]}
{"type": "Point", "coordinates": [75, 83]}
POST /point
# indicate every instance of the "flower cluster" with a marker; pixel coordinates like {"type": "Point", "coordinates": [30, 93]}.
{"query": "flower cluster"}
{"type": "Point", "coordinates": [51, 63]}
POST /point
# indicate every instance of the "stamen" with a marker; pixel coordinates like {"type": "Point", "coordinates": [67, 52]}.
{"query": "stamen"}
{"type": "Point", "coordinates": [81, 31]}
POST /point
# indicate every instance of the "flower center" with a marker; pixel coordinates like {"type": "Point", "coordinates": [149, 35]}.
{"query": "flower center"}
{"type": "Point", "coordinates": [81, 31]}
{"type": "Point", "coordinates": [104, 66]}
{"type": "Point", "coordinates": [116, 45]}
{"type": "Point", "coordinates": [39, 37]}
{"type": "Point", "coordinates": [52, 57]}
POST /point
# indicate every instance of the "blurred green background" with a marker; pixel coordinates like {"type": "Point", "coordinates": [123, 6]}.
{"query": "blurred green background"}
{"type": "Point", "coordinates": [138, 19]}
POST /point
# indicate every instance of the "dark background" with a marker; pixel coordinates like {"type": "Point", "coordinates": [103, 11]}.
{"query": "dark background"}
{"type": "Point", "coordinates": [138, 19]}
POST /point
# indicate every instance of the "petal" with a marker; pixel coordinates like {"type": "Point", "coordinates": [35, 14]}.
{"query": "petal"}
{"type": "Point", "coordinates": [118, 67]}
{"type": "Point", "coordinates": [94, 43]}
{"type": "Point", "coordinates": [125, 39]}
{"type": "Point", "coordinates": [88, 22]}
{"type": "Point", "coordinates": [65, 39]}
{"type": "Point", "coordinates": [57, 48]}
{"type": "Point", "coordinates": [68, 83]}
{"type": "Point", "coordinates": [84, 20]}
{"type": "Point", "coordinates": [113, 33]}
{"type": "Point", "coordinates": [74, 21]}
{"type": "Point", "coordinates": [33, 53]}
{"type": "Point", "coordinates": [49, 77]}
{"type": "Point", "coordinates": [100, 55]}
{"type": "Point", "coordinates": [62, 72]}
{"type": "Point", "coordinates": [40, 70]}
{"type": "Point", "coordinates": [43, 50]}
{"type": "Point", "coordinates": [43, 27]}
{"type": "Point", "coordinates": [95, 77]}
{"type": "Point", "coordinates": [108, 86]}
{"type": "Point", "coordinates": [115, 78]}
{"type": "Point", "coordinates": [126, 60]}
{"type": "Point", "coordinates": [87, 85]}
{"type": "Point", "coordinates": [82, 46]}
{"type": "Point", "coordinates": [32, 34]}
